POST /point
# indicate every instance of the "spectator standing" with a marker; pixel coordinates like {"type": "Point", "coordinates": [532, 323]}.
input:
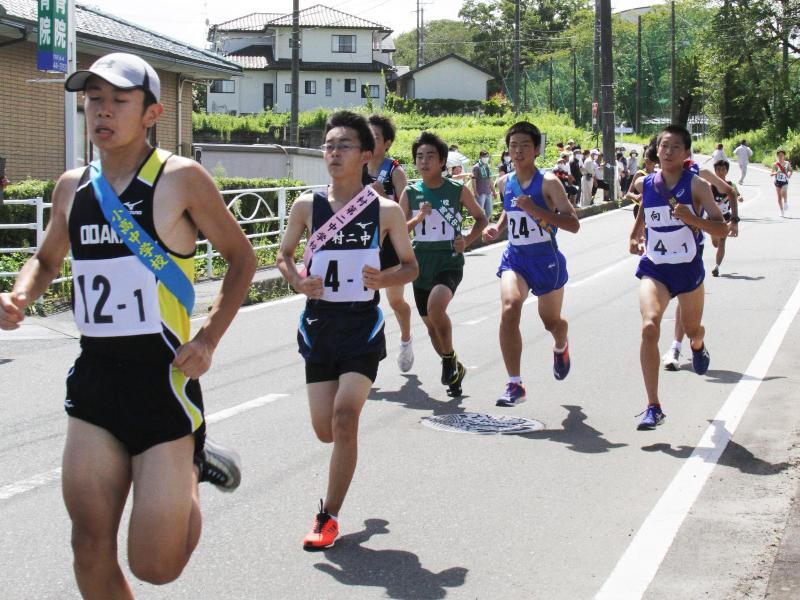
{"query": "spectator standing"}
{"type": "Point", "coordinates": [718, 155]}
{"type": "Point", "coordinates": [743, 154]}
{"type": "Point", "coordinates": [506, 166]}
{"type": "Point", "coordinates": [483, 184]}
{"type": "Point", "coordinates": [589, 172]}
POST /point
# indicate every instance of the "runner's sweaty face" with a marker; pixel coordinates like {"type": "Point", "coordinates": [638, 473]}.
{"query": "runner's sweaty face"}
{"type": "Point", "coordinates": [343, 154]}
{"type": "Point", "coordinates": [428, 162]}
{"type": "Point", "coordinates": [115, 117]}
{"type": "Point", "coordinates": [671, 151]}
{"type": "Point", "coordinates": [521, 149]}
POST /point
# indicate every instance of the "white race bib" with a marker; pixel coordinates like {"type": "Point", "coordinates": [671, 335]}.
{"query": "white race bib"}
{"type": "Point", "coordinates": [781, 176]}
{"type": "Point", "coordinates": [433, 228]}
{"type": "Point", "coordinates": [671, 247]}
{"type": "Point", "coordinates": [340, 271]}
{"type": "Point", "coordinates": [661, 216]}
{"type": "Point", "coordinates": [115, 297]}
{"type": "Point", "coordinates": [523, 229]}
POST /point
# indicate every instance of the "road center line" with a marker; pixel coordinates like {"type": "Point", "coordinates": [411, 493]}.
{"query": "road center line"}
{"type": "Point", "coordinates": [639, 564]}
{"type": "Point", "coordinates": [48, 477]}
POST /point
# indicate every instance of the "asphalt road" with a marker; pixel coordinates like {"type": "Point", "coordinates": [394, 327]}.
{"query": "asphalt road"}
{"type": "Point", "coordinates": [585, 507]}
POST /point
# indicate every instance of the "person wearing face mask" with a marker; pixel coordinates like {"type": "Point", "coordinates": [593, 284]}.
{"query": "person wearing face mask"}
{"type": "Point", "coordinates": [482, 184]}
{"type": "Point", "coordinates": [506, 166]}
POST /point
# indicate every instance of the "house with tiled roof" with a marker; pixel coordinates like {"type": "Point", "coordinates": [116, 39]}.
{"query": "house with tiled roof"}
{"type": "Point", "coordinates": [436, 80]}
{"type": "Point", "coordinates": [32, 102]}
{"type": "Point", "coordinates": [343, 61]}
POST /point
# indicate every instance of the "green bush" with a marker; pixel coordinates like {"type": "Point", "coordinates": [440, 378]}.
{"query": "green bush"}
{"type": "Point", "coordinates": [764, 142]}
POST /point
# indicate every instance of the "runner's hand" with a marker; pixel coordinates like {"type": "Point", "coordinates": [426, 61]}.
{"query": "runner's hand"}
{"type": "Point", "coordinates": [12, 309]}
{"type": "Point", "coordinates": [378, 187]}
{"type": "Point", "coordinates": [425, 208]}
{"type": "Point", "coordinates": [637, 246]}
{"type": "Point", "coordinates": [373, 278]}
{"type": "Point", "coordinates": [526, 203]}
{"type": "Point", "coordinates": [733, 229]}
{"type": "Point", "coordinates": [459, 244]}
{"type": "Point", "coordinates": [490, 233]}
{"type": "Point", "coordinates": [311, 287]}
{"type": "Point", "coordinates": [193, 359]}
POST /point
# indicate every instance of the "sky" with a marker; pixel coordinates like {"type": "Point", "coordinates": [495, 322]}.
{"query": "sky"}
{"type": "Point", "coordinates": [185, 19]}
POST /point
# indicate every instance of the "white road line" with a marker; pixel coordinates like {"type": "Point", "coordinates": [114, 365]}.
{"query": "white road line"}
{"type": "Point", "coordinates": [245, 406]}
{"type": "Point", "coordinates": [602, 272]}
{"type": "Point", "coordinates": [43, 479]}
{"type": "Point", "coordinates": [475, 321]}
{"type": "Point", "coordinates": [639, 564]}
{"type": "Point", "coordinates": [26, 485]}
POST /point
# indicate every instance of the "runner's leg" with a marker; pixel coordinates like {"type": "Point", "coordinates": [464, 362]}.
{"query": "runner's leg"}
{"type": "Point", "coordinates": [653, 301]}
{"type": "Point", "coordinates": [513, 292]}
{"type": "Point", "coordinates": [96, 478]}
{"type": "Point", "coordinates": [350, 398]}
{"type": "Point", "coordinates": [165, 519]}
{"type": "Point", "coordinates": [401, 310]}
{"type": "Point", "coordinates": [438, 322]}
{"type": "Point", "coordinates": [691, 305]}
{"type": "Point", "coordinates": [550, 312]}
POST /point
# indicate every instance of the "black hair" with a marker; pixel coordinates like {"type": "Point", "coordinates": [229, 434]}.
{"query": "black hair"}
{"type": "Point", "coordinates": [650, 152]}
{"type": "Point", "coordinates": [149, 98]}
{"type": "Point", "coordinates": [719, 146]}
{"type": "Point", "coordinates": [426, 138]}
{"type": "Point", "coordinates": [722, 163]}
{"type": "Point", "coordinates": [385, 123]}
{"type": "Point", "coordinates": [686, 137]}
{"type": "Point", "coordinates": [345, 118]}
{"type": "Point", "coordinates": [453, 147]}
{"type": "Point", "coordinates": [526, 128]}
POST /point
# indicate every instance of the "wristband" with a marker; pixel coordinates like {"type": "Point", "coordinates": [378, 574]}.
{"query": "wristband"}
{"type": "Point", "coordinates": [735, 219]}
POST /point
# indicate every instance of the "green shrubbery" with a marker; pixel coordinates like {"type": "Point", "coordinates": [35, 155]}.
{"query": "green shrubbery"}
{"type": "Point", "coordinates": [764, 142]}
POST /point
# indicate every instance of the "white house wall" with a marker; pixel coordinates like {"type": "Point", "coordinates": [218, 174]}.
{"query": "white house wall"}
{"type": "Point", "coordinates": [338, 98]}
{"type": "Point", "coordinates": [450, 79]}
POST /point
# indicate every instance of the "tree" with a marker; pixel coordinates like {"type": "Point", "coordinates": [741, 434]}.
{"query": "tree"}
{"type": "Point", "coordinates": [441, 37]}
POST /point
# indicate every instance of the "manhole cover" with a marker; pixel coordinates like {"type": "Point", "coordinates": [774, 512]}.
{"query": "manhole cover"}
{"type": "Point", "coordinates": [482, 424]}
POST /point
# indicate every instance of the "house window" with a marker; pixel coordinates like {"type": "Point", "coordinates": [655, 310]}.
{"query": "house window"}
{"type": "Point", "coordinates": [287, 88]}
{"type": "Point", "coordinates": [371, 91]}
{"type": "Point", "coordinates": [311, 87]}
{"type": "Point", "coordinates": [343, 43]}
{"type": "Point", "coordinates": [349, 85]}
{"type": "Point", "coordinates": [223, 86]}
{"type": "Point", "coordinates": [328, 86]}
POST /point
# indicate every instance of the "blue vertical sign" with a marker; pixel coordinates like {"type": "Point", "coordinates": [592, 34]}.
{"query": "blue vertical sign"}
{"type": "Point", "coordinates": [51, 50]}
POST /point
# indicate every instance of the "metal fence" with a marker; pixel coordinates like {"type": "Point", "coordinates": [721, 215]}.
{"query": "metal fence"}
{"type": "Point", "coordinates": [255, 201]}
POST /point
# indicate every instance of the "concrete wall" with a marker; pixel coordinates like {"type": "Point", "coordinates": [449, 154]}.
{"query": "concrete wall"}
{"type": "Point", "coordinates": [450, 79]}
{"type": "Point", "coordinates": [32, 115]}
{"type": "Point", "coordinates": [263, 161]}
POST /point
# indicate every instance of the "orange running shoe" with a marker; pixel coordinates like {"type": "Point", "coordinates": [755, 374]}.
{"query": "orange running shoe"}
{"type": "Point", "coordinates": [324, 532]}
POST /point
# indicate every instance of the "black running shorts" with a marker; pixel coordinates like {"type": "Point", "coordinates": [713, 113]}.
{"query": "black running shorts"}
{"type": "Point", "coordinates": [366, 365]}
{"type": "Point", "coordinates": [140, 404]}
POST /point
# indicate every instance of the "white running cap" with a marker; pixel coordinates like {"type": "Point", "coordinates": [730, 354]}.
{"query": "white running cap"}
{"type": "Point", "coordinates": [123, 71]}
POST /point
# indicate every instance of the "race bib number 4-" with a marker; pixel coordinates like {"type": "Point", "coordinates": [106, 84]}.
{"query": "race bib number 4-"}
{"type": "Point", "coordinates": [524, 230]}
{"type": "Point", "coordinates": [433, 228]}
{"type": "Point", "coordinates": [115, 297]}
{"type": "Point", "coordinates": [671, 247]}
{"type": "Point", "coordinates": [340, 271]}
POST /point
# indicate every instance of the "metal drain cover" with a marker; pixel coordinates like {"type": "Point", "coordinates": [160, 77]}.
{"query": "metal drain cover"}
{"type": "Point", "coordinates": [482, 424]}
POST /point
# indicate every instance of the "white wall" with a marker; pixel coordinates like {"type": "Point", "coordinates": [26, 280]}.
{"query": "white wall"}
{"type": "Point", "coordinates": [264, 161]}
{"type": "Point", "coordinates": [450, 79]}
{"type": "Point", "coordinates": [317, 46]}
{"type": "Point", "coordinates": [338, 98]}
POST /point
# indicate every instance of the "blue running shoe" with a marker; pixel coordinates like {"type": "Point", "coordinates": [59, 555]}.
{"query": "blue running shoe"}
{"type": "Point", "coordinates": [700, 360]}
{"type": "Point", "coordinates": [653, 417]}
{"type": "Point", "coordinates": [561, 363]}
{"type": "Point", "coordinates": [514, 394]}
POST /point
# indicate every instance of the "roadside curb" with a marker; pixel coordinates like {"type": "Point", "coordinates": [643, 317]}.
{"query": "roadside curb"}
{"type": "Point", "coordinates": [784, 580]}
{"type": "Point", "coordinates": [269, 284]}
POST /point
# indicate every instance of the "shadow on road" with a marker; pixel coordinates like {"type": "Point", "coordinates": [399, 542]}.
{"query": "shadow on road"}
{"type": "Point", "coordinates": [741, 277]}
{"type": "Point", "coordinates": [735, 455]}
{"type": "Point", "coordinates": [576, 434]}
{"type": "Point", "coordinates": [723, 376]}
{"type": "Point", "coordinates": [398, 571]}
{"type": "Point", "coordinates": [5, 360]}
{"type": "Point", "coordinates": [411, 395]}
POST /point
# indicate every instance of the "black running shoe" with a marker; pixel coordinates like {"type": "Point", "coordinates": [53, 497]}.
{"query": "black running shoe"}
{"type": "Point", "coordinates": [449, 369]}
{"type": "Point", "coordinates": [219, 466]}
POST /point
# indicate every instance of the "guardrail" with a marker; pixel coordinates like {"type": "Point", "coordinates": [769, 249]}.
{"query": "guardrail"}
{"type": "Point", "coordinates": [262, 212]}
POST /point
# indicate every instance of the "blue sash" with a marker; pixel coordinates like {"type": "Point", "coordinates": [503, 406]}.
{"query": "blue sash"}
{"type": "Point", "coordinates": [138, 241]}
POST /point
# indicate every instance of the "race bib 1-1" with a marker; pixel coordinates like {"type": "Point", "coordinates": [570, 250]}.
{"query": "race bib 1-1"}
{"type": "Point", "coordinates": [433, 228]}
{"type": "Point", "coordinates": [115, 297]}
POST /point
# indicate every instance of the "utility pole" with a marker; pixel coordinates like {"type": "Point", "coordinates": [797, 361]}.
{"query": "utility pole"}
{"type": "Point", "coordinates": [609, 145]}
{"type": "Point", "coordinates": [574, 88]}
{"type": "Point", "coordinates": [419, 39]}
{"type": "Point", "coordinates": [596, 69]}
{"type": "Point", "coordinates": [516, 56]}
{"type": "Point", "coordinates": [674, 94]}
{"type": "Point", "coordinates": [422, 35]}
{"type": "Point", "coordinates": [637, 117]}
{"type": "Point", "coordinates": [294, 134]}
{"type": "Point", "coordinates": [550, 88]}
{"type": "Point", "coordinates": [71, 99]}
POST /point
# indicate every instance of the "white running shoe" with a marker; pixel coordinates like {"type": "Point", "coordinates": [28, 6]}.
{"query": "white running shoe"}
{"type": "Point", "coordinates": [671, 359]}
{"type": "Point", "coordinates": [405, 359]}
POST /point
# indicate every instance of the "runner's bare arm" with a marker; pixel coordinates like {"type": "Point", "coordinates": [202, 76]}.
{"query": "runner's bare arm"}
{"type": "Point", "coordinates": [399, 179]}
{"type": "Point", "coordinates": [208, 212]}
{"type": "Point", "coordinates": [413, 221]}
{"type": "Point", "coordinates": [632, 194]}
{"type": "Point", "coordinates": [394, 224]}
{"type": "Point", "coordinates": [44, 265]}
{"type": "Point", "coordinates": [636, 239]}
{"type": "Point", "coordinates": [299, 222]}
{"type": "Point", "coordinates": [565, 218]}
{"type": "Point", "coordinates": [714, 225]}
{"type": "Point", "coordinates": [476, 212]}
{"type": "Point", "coordinates": [492, 231]}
